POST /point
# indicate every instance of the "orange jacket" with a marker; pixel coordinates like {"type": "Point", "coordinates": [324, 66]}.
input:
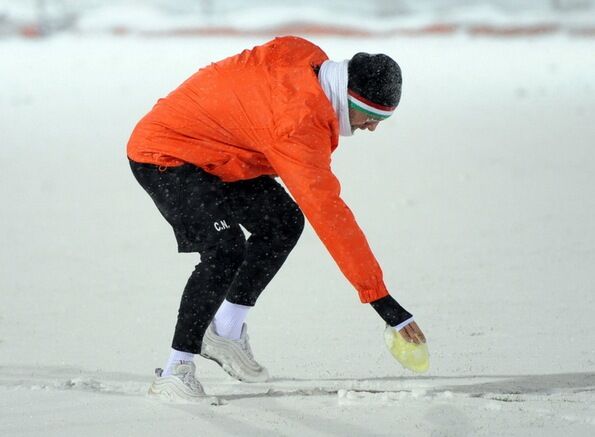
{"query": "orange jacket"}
{"type": "Point", "coordinates": [263, 112]}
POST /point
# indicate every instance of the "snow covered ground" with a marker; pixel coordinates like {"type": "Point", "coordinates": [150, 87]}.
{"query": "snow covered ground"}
{"type": "Point", "coordinates": [477, 196]}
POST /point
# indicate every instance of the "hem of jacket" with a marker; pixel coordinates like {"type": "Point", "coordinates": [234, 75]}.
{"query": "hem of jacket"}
{"type": "Point", "coordinates": [368, 296]}
{"type": "Point", "coordinates": [156, 162]}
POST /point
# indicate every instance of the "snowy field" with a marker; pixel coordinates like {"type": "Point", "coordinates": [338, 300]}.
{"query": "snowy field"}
{"type": "Point", "coordinates": [478, 198]}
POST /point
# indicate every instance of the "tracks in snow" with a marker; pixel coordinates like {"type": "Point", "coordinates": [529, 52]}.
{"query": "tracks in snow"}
{"type": "Point", "coordinates": [505, 388]}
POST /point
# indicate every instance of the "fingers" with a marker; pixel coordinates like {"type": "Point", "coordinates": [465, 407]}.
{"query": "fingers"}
{"type": "Point", "coordinates": [420, 335]}
{"type": "Point", "coordinates": [412, 333]}
{"type": "Point", "coordinates": [408, 334]}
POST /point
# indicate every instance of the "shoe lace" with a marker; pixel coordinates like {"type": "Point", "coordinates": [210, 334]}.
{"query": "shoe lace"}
{"type": "Point", "coordinates": [246, 346]}
{"type": "Point", "coordinates": [188, 378]}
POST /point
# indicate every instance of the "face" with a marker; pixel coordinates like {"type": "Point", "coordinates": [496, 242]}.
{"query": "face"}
{"type": "Point", "coordinates": [361, 120]}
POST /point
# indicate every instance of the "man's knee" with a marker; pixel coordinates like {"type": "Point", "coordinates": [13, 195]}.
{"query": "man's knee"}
{"type": "Point", "coordinates": [292, 227]}
{"type": "Point", "coordinates": [224, 257]}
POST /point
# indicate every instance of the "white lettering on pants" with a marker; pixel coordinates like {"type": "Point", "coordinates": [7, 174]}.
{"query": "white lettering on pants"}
{"type": "Point", "coordinates": [221, 225]}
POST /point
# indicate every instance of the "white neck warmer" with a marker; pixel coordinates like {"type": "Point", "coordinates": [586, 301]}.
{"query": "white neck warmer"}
{"type": "Point", "coordinates": [333, 79]}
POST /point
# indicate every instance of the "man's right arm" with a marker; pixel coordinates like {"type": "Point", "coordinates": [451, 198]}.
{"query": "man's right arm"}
{"type": "Point", "coordinates": [306, 173]}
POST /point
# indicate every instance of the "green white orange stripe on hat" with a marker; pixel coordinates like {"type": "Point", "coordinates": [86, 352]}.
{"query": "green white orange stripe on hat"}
{"type": "Point", "coordinates": [366, 106]}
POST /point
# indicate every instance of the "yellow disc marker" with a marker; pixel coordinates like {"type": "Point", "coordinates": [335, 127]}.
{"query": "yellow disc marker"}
{"type": "Point", "coordinates": [415, 357]}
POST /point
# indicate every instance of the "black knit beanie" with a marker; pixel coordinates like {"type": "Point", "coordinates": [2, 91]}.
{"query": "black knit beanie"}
{"type": "Point", "coordinates": [377, 78]}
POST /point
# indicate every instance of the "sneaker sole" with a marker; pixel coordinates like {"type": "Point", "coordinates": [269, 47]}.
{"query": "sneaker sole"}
{"type": "Point", "coordinates": [171, 393]}
{"type": "Point", "coordinates": [231, 371]}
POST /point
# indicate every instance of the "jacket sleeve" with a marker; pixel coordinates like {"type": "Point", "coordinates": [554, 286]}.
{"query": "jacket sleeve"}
{"type": "Point", "coordinates": [306, 172]}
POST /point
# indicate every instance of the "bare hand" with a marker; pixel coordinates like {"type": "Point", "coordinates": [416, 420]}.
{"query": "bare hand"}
{"type": "Point", "coordinates": [413, 334]}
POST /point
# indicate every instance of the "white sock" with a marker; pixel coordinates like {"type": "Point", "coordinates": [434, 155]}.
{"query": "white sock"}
{"type": "Point", "coordinates": [229, 320]}
{"type": "Point", "coordinates": [174, 358]}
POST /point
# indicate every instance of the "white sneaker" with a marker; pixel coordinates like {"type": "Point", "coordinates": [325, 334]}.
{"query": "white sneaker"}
{"type": "Point", "coordinates": [181, 385]}
{"type": "Point", "coordinates": [234, 356]}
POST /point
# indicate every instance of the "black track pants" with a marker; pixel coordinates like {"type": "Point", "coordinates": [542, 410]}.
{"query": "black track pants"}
{"type": "Point", "coordinates": [205, 214]}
